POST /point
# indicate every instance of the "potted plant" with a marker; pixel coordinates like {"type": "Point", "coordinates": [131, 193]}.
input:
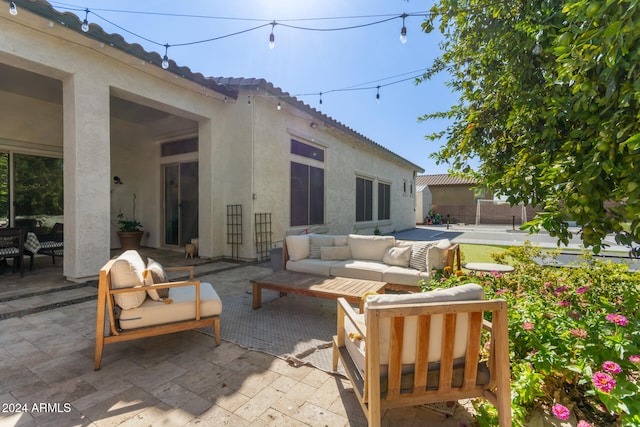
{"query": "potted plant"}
{"type": "Point", "coordinates": [130, 230]}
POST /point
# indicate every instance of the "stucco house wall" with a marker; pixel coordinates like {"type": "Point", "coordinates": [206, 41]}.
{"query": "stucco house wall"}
{"type": "Point", "coordinates": [107, 113]}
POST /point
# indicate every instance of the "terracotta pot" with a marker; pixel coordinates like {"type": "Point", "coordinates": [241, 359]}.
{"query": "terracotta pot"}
{"type": "Point", "coordinates": [130, 239]}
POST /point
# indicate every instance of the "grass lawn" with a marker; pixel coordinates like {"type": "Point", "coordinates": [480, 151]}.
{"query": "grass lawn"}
{"type": "Point", "coordinates": [479, 253]}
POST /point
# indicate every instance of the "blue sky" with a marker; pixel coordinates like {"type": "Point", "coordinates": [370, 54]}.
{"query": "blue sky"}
{"type": "Point", "coordinates": [303, 61]}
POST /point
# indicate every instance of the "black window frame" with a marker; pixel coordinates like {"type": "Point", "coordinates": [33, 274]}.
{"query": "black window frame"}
{"type": "Point", "coordinates": [364, 199]}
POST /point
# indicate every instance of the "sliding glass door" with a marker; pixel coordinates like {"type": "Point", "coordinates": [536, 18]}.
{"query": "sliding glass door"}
{"type": "Point", "coordinates": [180, 203]}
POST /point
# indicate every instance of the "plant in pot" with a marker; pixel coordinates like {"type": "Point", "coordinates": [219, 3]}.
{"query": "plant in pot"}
{"type": "Point", "coordinates": [130, 230]}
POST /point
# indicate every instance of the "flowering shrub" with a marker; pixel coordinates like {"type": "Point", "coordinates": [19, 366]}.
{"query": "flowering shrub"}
{"type": "Point", "coordinates": [574, 338]}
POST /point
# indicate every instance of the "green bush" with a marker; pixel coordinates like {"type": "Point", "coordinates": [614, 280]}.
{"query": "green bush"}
{"type": "Point", "coordinates": [574, 338]}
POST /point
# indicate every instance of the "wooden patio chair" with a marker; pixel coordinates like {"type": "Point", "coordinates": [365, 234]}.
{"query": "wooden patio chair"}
{"type": "Point", "coordinates": [413, 349]}
{"type": "Point", "coordinates": [135, 310]}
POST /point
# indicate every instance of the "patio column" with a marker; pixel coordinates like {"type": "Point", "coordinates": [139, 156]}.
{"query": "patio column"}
{"type": "Point", "coordinates": [86, 174]}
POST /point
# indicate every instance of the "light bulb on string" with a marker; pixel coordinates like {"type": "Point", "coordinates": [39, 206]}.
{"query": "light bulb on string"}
{"type": "Point", "coordinates": [272, 37]}
{"type": "Point", "coordinates": [279, 106]}
{"type": "Point", "coordinates": [85, 23]}
{"type": "Point", "coordinates": [320, 98]}
{"type": "Point", "coordinates": [13, 9]}
{"type": "Point", "coordinates": [378, 95]}
{"type": "Point", "coordinates": [165, 60]}
{"type": "Point", "coordinates": [403, 31]}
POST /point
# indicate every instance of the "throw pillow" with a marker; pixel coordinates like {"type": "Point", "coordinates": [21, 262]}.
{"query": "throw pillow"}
{"type": "Point", "coordinates": [154, 294]}
{"type": "Point", "coordinates": [126, 272]}
{"type": "Point", "coordinates": [335, 253]}
{"type": "Point", "coordinates": [317, 241]}
{"type": "Point", "coordinates": [397, 255]}
{"type": "Point", "coordinates": [157, 271]}
{"type": "Point", "coordinates": [418, 258]}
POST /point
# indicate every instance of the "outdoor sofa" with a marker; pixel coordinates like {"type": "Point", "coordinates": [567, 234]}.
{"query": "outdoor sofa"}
{"type": "Point", "coordinates": [400, 263]}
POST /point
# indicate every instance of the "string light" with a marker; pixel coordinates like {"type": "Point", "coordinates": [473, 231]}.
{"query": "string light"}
{"type": "Point", "coordinates": [320, 98]}
{"type": "Point", "coordinates": [279, 107]}
{"type": "Point", "coordinates": [165, 60]}
{"type": "Point", "coordinates": [13, 9]}
{"type": "Point", "coordinates": [273, 23]}
{"type": "Point", "coordinates": [378, 94]}
{"type": "Point", "coordinates": [272, 37]}
{"type": "Point", "coordinates": [85, 23]}
{"type": "Point", "coordinates": [403, 31]}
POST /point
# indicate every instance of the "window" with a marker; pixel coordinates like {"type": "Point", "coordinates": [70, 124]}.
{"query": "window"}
{"type": "Point", "coordinates": [384, 201]}
{"type": "Point", "coordinates": [306, 150]}
{"type": "Point", "coordinates": [183, 146]}
{"type": "Point", "coordinates": [307, 195]}
{"type": "Point", "coordinates": [364, 199]}
{"type": "Point", "coordinates": [307, 184]}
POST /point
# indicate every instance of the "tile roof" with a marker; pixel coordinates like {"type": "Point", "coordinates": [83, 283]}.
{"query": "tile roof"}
{"type": "Point", "coordinates": [72, 22]}
{"type": "Point", "coordinates": [262, 84]}
{"type": "Point", "coordinates": [443, 179]}
{"type": "Point", "coordinates": [223, 85]}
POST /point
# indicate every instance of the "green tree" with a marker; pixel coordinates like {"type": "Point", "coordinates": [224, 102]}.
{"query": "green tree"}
{"type": "Point", "coordinates": [549, 108]}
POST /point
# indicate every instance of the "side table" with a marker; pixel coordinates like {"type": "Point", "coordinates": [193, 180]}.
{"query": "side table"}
{"type": "Point", "coordinates": [488, 267]}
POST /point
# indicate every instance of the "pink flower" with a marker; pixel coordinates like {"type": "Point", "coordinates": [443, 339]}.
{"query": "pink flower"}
{"type": "Point", "coordinates": [501, 291]}
{"type": "Point", "coordinates": [496, 274]}
{"type": "Point", "coordinates": [560, 290]}
{"type": "Point", "coordinates": [634, 359]}
{"type": "Point", "coordinates": [527, 326]}
{"type": "Point", "coordinates": [579, 332]}
{"type": "Point", "coordinates": [611, 367]}
{"type": "Point", "coordinates": [564, 303]}
{"type": "Point", "coordinates": [583, 423]}
{"type": "Point", "coordinates": [617, 319]}
{"type": "Point", "coordinates": [582, 289]}
{"type": "Point", "coordinates": [560, 411]}
{"type": "Point", "coordinates": [548, 284]}
{"type": "Point", "coordinates": [603, 382]}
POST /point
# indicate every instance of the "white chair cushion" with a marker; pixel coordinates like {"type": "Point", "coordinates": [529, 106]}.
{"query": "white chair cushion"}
{"type": "Point", "coordinates": [182, 308]}
{"type": "Point", "coordinates": [298, 247]}
{"type": "Point", "coordinates": [467, 292]}
{"type": "Point", "coordinates": [126, 272]}
{"type": "Point", "coordinates": [397, 255]}
{"type": "Point", "coordinates": [158, 275]}
{"type": "Point", "coordinates": [370, 248]}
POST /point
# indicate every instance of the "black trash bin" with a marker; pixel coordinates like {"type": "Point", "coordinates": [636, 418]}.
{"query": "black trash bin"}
{"type": "Point", "coordinates": [276, 259]}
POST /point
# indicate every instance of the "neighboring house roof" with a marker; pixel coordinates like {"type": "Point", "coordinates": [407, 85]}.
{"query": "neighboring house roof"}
{"type": "Point", "coordinates": [443, 179]}
{"type": "Point", "coordinates": [264, 85]}
{"type": "Point", "coordinates": [225, 86]}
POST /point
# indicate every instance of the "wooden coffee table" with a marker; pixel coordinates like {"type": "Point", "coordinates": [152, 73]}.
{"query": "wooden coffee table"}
{"type": "Point", "coordinates": [316, 286]}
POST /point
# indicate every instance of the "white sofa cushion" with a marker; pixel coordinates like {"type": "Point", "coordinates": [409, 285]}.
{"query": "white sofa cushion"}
{"type": "Point", "coordinates": [403, 276]}
{"type": "Point", "coordinates": [182, 308]}
{"type": "Point", "coordinates": [359, 269]}
{"type": "Point", "coordinates": [335, 253]}
{"type": "Point", "coordinates": [298, 247]}
{"type": "Point", "coordinates": [311, 266]}
{"type": "Point", "coordinates": [467, 292]}
{"type": "Point", "coordinates": [397, 255]}
{"type": "Point", "coordinates": [316, 242]}
{"type": "Point", "coordinates": [437, 255]}
{"type": "Point", "coordinates": [126, 272]}
{"type": "Point", "coordinates": [370, 248]}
